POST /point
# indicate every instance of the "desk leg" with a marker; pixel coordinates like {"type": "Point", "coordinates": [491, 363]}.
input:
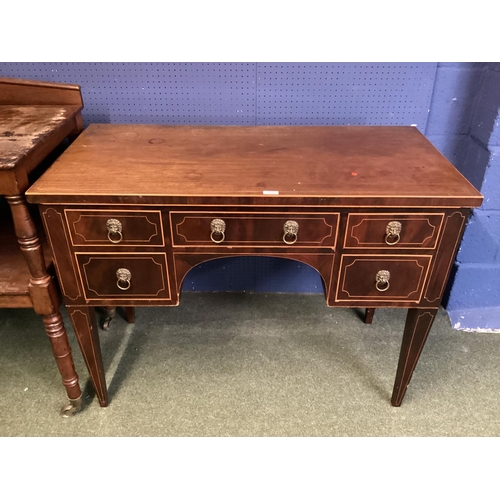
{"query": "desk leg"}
{"type": "Point", "coordinates": [369, 313]}
{"type": "Point", "coordinates": [130, 314]}
{"type": "Point", "coordinates": [85, 326]}
{"type": "Point", "coordinates": [418, 325]}
{"type": "Point", "coordinates": [45, 300]}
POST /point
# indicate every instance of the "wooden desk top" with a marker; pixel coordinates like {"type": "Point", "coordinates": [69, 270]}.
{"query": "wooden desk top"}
{"type": "Point", "coordinates": [373, 166]}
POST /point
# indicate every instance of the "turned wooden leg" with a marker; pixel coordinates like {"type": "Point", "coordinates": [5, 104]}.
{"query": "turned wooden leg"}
{"type": "Point", "coordinates": [85, 326]}
{"type": "Point", "coordinates": [370, 311]}
{"type": "Point", "coordinates": [45, 300]}
{"type": "Point", "coordinates": [417, 327]}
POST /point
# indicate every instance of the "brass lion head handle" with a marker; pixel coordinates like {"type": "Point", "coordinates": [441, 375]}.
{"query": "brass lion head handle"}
{"type": "Point", "coordinates": [123, 278]}
{"type": "Point", "coordinates": [393, 232]}
{"type": "Point", "coordinates": [382, 280]}
{"type": "Point", "coordinates": [290, 232]}
{"type": "Point", "coordinates": [114, 227]}
{"type": "Point", "coordinates": [217, 228]}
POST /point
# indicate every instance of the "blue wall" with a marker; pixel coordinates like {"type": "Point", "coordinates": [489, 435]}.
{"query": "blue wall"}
{"type": "Point", "coordinates": [454, 104]}
{"type": "Point", "coordinates": [245, 93]}
{"type": "Point", "coordinates": [465, 124]}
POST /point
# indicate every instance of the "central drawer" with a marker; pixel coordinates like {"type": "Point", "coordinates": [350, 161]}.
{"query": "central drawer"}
{"type": "Point", "coordinates": [254, 229]}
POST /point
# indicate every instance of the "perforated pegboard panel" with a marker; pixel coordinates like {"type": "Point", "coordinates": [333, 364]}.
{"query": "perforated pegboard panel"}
{"type": "Point", "coordinates": [246, 94]}
{"type": "Point", "coordinates": [344, 94]}
{"type": "Point", "coordinates": [175, 93]}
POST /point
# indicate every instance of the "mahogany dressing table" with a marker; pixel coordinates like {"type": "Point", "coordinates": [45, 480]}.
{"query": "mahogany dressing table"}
{"type": "Point", "coordinates": [130, 209]}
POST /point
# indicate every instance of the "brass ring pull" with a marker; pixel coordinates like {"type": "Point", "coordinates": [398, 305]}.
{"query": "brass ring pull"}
{"type": "Point", "coordinates": [393, 232]}
{"type": "Point", "coordinates": [124, 276]}
{"type": "Point", "coordinates": [382, 281]}
{"type": "Point", "coordinates": [114, 227]}
{"type": "Point", "coordinates": [291, 230]}
{"type": "Point", "coordinates": [217, 226]}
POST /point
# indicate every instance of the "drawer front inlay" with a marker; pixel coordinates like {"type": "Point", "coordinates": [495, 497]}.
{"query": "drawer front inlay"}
{"type": "Point", "coordinates": [251, 229]}
{"type": "Point", "coordinates": [393, 231]}
{"type": "Point", "coordinates": [115, 228]}
{"type": "Point", "coordinates": [138, 275]}
{"type": "Point", "coordinates": [382, 278]}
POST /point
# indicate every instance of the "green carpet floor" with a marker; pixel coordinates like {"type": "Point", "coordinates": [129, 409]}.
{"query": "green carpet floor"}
{"type": "Point", "coordinates": [253, 365]}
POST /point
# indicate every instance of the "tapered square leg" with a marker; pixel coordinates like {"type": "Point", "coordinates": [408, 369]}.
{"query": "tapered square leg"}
{"type": "Point", "coordinates": [417, 327]}
{"type": "Point", "coordinates": [130, 314]}
{"type": "Point", "coordinates": [85, 325]}
{"type": "Point", "coordinates": [369, 313]}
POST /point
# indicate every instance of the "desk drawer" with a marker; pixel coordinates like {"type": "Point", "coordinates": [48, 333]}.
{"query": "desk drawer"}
{"type": "Point", "coordinates": [141, 276]}
{"type": "Point", "coordinates": [115, 227]}
{"type": "Point", "coordinates": [251, 229]}
{"type": "Point", "coordinates": [383, 231]}
{"type": "Point", "coordinates": [382, 278]}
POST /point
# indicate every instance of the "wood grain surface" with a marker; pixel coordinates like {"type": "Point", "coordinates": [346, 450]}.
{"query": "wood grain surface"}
{"type": "Point", "coordinates": [395, 165]}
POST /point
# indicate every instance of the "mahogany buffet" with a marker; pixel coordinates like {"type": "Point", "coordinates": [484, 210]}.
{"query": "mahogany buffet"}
{"type": "Point", "coordinates": [130, 209]}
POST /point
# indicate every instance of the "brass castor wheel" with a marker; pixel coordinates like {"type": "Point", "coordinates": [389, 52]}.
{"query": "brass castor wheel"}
{"type": "Point", "coordinates": [73, 407]}
{"type": "Point", "coordinates": [107, 322]}
{"type": "Point", "coordinates": [109, 314]}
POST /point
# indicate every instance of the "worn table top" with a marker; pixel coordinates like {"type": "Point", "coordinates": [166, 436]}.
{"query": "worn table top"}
{"type": "Point", "coordinates": [376, 166]}
{"type": "Point", "coordinates": [23, 128]}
